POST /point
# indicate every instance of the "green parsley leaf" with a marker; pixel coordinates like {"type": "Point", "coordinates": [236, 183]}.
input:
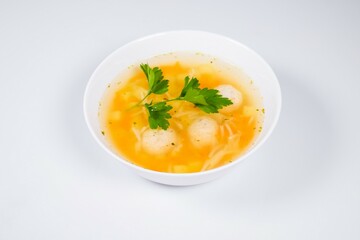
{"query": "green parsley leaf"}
{"type": "Point", "coordinates": [189, 84]}
{"type": "Point", "coordinates": [155, 78]}
{"type": "Point", "coordinates": [158, 115]}
{"type": "Point", "coordinates": [194, 96]}
{"type": "Point", "coordinates": [208, 100]}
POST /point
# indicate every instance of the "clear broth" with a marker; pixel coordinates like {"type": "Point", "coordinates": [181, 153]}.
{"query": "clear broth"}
{"type": "Point", "coordinates": [123, 125]}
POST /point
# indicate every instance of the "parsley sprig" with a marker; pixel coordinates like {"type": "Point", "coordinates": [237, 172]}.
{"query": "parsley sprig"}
{"type": "Point", "coordinates": [158, 115]}
{"type": "Point", "coordinates": [156, 81]}
{"type": "Point", "coordinates": [207, 100]}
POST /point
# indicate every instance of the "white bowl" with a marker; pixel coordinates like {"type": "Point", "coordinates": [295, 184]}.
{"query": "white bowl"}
{"type": "Point", "coordinates": [219, 46]}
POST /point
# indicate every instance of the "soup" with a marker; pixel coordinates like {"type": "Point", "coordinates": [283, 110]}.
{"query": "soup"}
{"type": "Point", "coordinates": [194, 140]}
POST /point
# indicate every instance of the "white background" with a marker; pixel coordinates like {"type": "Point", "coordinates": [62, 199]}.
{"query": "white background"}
{"type": "Point", "coordinates": [56, 183]}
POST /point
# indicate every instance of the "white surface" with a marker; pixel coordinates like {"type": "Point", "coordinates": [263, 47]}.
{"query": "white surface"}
{"type": "Point", "coordinates": [151, 46]}
{"type": "Point", "coordinates": [56, 183]}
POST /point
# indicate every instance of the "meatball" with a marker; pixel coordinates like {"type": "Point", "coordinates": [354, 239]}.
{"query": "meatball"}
{"type": "Point", "coordinates": [231, 93]}
{"type": "Point", "coordinates": [156, 141]}
{"type": "Point", "coordinates": [202, 131]}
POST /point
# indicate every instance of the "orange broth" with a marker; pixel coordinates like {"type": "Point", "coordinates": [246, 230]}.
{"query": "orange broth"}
{"type": "Point", "coordinates": [123, 124]}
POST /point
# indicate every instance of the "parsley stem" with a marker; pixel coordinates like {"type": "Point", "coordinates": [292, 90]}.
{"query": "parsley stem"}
{"type": "Point", "coordinates": [174, 99]}
{"type": "Point", "coordinates": [165, 101]}
{"type": "Point", "coordinates": [141, 101]}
